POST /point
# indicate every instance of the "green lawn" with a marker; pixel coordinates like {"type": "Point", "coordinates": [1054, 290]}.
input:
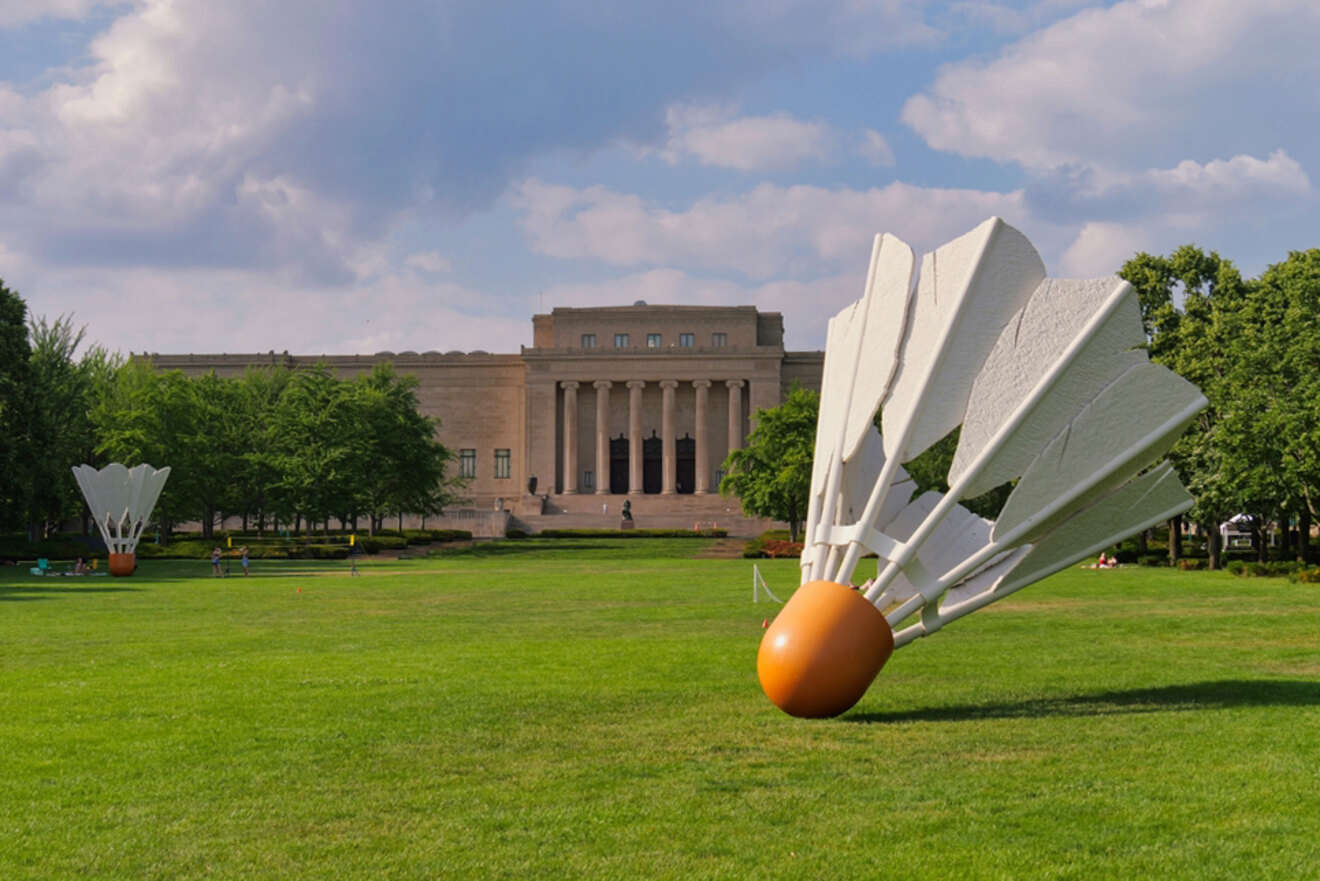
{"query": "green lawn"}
{"type": "Point", "coordinates": [589, 709]}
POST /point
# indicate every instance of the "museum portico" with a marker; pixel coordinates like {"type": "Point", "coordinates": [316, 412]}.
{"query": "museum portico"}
{"type": "Point", "coordinates": [611, 401]}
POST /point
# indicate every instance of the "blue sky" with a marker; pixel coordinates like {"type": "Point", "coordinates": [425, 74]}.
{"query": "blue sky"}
{"type": "Point", "coordinates": [339, 176]}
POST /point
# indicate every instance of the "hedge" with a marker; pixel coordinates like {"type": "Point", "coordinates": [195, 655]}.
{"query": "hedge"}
{"type": "Point", "coordinates": [629, 533]}
{"type": "Point", "coordinates": [771, 543]}
{"type": "Point", "coordinates": [17, 547]}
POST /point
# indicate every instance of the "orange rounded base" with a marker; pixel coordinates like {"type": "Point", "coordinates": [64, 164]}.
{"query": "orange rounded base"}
{"type": "Point", "coordinates": [822, 651]}
{"type": "Point", "coordinates": [122, 564]}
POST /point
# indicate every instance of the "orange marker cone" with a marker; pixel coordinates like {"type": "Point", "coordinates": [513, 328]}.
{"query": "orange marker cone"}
{"type": "Point", "coordinates": [765, 622]}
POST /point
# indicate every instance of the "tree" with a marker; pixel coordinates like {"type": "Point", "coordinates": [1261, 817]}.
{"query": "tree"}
{"type": "Point", "coordinates": [312, 436]}
{"type": "Point", "coordinates": [1278, 375]}
{"type": "Point", "coordinates": [142, 415]}
{"type": "Point", "coordinates": [209, 455]}
{"type": "Point", "coordinates": [403, 464]}
{"type": "Point", "coordinates": [930, 471]}
{"type": "Point", "coordinates": [1200, 339]}
{"type": "Point", "coordinates": [15, 410]}
{"type": "Point", "coordinates": [257, 395]}
{"type": "Point", "coordinates": [64, 389]}
{"type": "Point", "coordinates": [771, 474]}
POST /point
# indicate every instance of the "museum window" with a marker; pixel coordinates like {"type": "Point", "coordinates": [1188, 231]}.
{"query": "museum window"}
{"type": "Point", "coordinates": [503, 464]}
{"type": "Point", "coordinates": [588, 341]}
{"type": "Point", "coordinates": [687, 340]}
{"type": "Point", "coordinates": [653, 340]}
{"type": "Point", "coordinates": [467, 463]}
{"type": "Point", "coordinates": [719, 339]}
{"type": "Point", "coordinates": [621, 341]}
{"type": "Point", "coordinates": [588, 480]}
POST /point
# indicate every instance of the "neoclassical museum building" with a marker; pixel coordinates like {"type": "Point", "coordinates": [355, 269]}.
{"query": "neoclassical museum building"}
{"type": "Point", "coordinates": [639, 400]}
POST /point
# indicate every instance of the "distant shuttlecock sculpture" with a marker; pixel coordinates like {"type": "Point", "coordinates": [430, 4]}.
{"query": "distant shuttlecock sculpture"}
{"type": "Point", "coordinates": [1050, 383]}
{"type": "Point", "coordinates": [121, 500]}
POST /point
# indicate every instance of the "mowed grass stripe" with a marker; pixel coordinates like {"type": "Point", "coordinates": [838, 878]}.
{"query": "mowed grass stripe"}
{"type": "Point", "coordinates": [540, 711]}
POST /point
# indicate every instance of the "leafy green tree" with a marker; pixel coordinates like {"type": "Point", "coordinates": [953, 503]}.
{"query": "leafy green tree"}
{"type": "Point", "coordinates": [15, 410]}
{"type": "Point", "coordinates": [142, 415]}
{"type": "Point", "coordinates": [1191, 303]}
{"type": "Point", "coordinates": [771, 474]}
{"type": "Point", "coordinates": [210, 452]}
{"type": "Point", "coordinates": [930, 471]}
{"type": "Point", "coordinates": [1276, 392]}
{"type": "Point", "coordinates": [64, 389]}
{"type": "Point", "coordinates": [257, 395]}
{"type": "Point", "coordinates": [312, 436]}
{"type": "Point", "coordinates": [403, 464]}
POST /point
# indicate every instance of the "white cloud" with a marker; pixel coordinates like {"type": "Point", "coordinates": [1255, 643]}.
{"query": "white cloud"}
{"type": "Point", "coordinates": [169, 144]}
{"type": "Point", "coordinates": [19, 12]}
{"type": "Point", "coordinates": [1227, 180]}
{"type": "Point", "coordinates": [769, 230]}
{"type": "Point", "coordinates": [1137, 84]}
{"type": "Point", "coordinates": [429, 261]}
{"type": "Point", "coordinates": [1100, 248]}
{"type": "Point", "coordinates": [715, 137]}
{"type": "Point", "coordinates": [1002, 18]}
{"type": "Point", "coordinates": [876, 149]}
{"type": "Point", "coordinates": [157, 310]}
{"type": "Point", "coordinates": [1190, 194]}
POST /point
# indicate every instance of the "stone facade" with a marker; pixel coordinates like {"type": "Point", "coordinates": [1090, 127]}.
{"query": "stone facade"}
{"type": "Point", "coordinates": [638, 400]}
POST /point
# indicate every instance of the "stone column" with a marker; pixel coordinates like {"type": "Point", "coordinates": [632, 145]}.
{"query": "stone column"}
{"type": "Point", "coordinates": [602, 387]}
{"type": "Point", "coordinates": [703, 452]}
{"type": "Point", "coordinates": [668, 450]}
{"type": "Point", "coordinates": [635, 387]}
{"type": "Point", "coordinates": [570, 437]}
{"type": "Point", "coordinates": [735, 414]}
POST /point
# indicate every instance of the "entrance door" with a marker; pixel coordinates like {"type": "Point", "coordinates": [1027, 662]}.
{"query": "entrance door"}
{"type": "Point", "coordinates": [619, 465]}
{"type": "Point", "coordinates": [652, 450]}
{"type": "Point", "coordinates": [686, 466]}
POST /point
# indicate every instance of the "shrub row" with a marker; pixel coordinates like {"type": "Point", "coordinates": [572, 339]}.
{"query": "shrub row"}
{"type": "Point", "coordinates": [622, 533]}
{"type": "Point", "coordinates": [412, 536]}
{"type": "Point", "coordinates": [772, 543]}
{"type": "Point", "coordinates": [17, 547]}
{"type": "Point", "coordinates": [426, 536]}
{"type": "Point", "coordinates": [1254, 569]}
{"type": "Point", "coordinates": [199, 549]}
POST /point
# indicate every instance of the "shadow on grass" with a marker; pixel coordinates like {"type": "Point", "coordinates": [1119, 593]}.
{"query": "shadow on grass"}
{"type": "Point", "coordinates": [1220, 694]}
{"type": "Point", "coordinates": [23, 593]}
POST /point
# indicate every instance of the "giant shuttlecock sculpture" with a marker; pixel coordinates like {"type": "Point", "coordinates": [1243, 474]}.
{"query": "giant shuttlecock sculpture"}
{"type": "Point", "coordinates": [1050, 383]}
{"type": "Point", "coordinates": [121, 500]}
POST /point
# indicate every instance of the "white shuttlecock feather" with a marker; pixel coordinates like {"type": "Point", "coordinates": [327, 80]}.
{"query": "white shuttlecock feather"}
{"type": "Point", "coordinates": [121, 500]}
{"type": "Point", "coordinates": [1051, 385]}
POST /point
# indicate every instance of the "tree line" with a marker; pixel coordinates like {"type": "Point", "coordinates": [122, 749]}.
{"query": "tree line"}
{"type": "Point", "coordinates": [1253, 347]}
{"type": "Point", "coordinates": [280, 448]}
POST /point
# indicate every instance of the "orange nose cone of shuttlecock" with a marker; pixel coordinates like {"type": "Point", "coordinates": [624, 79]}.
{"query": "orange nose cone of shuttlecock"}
{"type": "Point", "coordinates": [821, 652]}
{"type": "Point", "coordinates": [122, 564]}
